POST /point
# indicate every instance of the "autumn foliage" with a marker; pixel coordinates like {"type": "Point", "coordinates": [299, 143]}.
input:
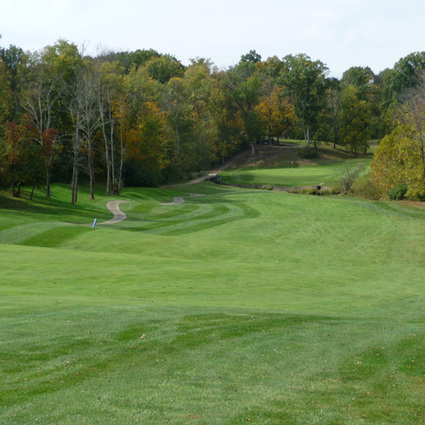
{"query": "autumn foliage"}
{"type": "Point", "coordinates": [143, 118]}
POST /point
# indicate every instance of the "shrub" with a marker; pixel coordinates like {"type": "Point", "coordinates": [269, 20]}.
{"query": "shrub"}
{"type": "Point", "coordinates": [330, 192]}
{"type": "Point", "coordinates": [416, 192]}
{"type": "Point", "coordinates": [306, 153]}
{"type": "Point", "coordinates": [397, 193]}
{"type": "Point", "coordinates": [309, 191]}
{"type": "Point", "coordinates": [346, 180]}
{"type": "Point", "coordinates": [366, 188]}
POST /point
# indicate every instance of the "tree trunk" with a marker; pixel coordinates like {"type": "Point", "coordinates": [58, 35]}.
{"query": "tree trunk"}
{"type": "Point", "coordinates": [91, 185]}
{"type": "Point", "coordinates": [108, 165]}
{"type": "Point", "coordinates": [178, 146]}
{"type": "Point", "coordinates": [108, 177]}
{"type": "Point", "coordinates": [91, 171]}
{"type": "Point", "coordinates": [73, 186]}
{"type": "Point", "coordinates": [32, 191]}
{"type": "Point", "coordinates": [421, 147]}
{"type": "Point", "coordinates": [112, 160]}
{"type": "Point", "coordinates": [308, 136]}
{"type": "Point", "coordinates": [252, 149]}
{"type": "Point", "coordinates": [121, 160]}
{"type": "Point", "coordinates": [74, 181]}
{"type": "Point", "coordinates": [76, 188]}
{"type": "Point", "coordinates": [15, 190]}
{"type": "Point", "coordinates": [48, 182]}
{"type": "Point", "coordinates": [106, 140]}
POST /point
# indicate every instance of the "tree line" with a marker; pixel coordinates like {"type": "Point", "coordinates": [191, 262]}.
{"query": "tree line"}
{"type": "Point", "coordinates": [143, 118]}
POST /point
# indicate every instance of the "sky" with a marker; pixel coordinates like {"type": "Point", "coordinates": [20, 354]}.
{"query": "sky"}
{"type": "Point", "coordinates": [340, 33]}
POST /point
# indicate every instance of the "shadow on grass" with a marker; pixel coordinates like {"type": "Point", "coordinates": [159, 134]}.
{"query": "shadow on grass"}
{"type": "Point", "coordinates": [54, 208]}
{"type": "Point", "coordinates": [58, 210]}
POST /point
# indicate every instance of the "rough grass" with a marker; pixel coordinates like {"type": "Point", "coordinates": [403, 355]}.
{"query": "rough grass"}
{"type": "Point", "coordinates": [238, 306]}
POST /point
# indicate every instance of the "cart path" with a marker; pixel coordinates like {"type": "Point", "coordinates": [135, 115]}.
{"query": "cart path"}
{"type": "Point", "coordinates": [114, 208]}
{"type": "Point", "coordinates": [211, 174]}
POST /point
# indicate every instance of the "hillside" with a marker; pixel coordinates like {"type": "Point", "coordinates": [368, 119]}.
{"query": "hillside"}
{"type": "Point", "coordinates": [271, 156]}
{"type": "Point", "coordinates": [235, 306]}
{"type": "Point", "coordinates": [282, 166]}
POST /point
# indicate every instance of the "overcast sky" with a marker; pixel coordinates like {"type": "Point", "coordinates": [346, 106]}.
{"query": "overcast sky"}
{"type": "Point", "coordinates": [341, 33]}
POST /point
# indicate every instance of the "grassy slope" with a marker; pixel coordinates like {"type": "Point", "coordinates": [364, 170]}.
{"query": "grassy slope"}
{"type": "Point", "coordinates": [265, 306]}
{"type": "Point", "coordinates": [279, 166]}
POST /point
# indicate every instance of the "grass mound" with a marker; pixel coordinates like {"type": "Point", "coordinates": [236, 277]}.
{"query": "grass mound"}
{"type": "Point", "coordinates": [282, 166]}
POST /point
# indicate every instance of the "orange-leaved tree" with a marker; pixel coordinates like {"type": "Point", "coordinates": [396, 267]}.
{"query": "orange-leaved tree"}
{"type": "Point", "coordinates": [276, 113]}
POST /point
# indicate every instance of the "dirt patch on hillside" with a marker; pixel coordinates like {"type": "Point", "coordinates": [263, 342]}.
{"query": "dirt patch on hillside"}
{"type": "Point", "coordinates": [271, 156]}
{"type": "Point", "coordinates": [267, 156]}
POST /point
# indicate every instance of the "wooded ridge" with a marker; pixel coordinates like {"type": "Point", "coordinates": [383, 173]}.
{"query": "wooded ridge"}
{"type": "Point", "coordinates": [142, 118]}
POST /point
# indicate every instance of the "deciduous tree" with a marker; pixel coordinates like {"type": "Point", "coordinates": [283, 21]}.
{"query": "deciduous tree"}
{"type": "Point", "coordinates": [276, 114]}
{"type": "Point", "coordinates": [48, 82]}
{"type": "Point", "coordinates": [400, 157]}
{"type": "Point", "coordinates": [355, 121]}
{"type": "Point", "coordinates": [21, 154]}
{"type": "Point", "coordinates": [244, 87]}
{"type": "Point", "coordinates": [304, 79]}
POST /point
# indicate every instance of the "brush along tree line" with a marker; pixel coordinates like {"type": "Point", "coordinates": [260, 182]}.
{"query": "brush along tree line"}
{"type": "Point", "coordinates": [145, 119]}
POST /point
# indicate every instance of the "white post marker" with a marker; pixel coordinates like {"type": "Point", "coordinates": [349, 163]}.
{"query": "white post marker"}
{"type": "Point", "coordinates": [94, 223]}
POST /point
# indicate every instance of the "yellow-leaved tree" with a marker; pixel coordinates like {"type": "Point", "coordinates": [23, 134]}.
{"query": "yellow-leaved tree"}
{"type": "Point", "coordinates": [400, 158]}
{"type": "Point", "coordinates": [398, 161]}
{"type": "Point", "coordinates": [276, 114]}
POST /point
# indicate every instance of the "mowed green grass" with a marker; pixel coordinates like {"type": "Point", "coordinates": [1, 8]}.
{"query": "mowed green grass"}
{"type": "Point", "coordinates": [284, 167]}
{"type": "Point", "coordinates": [238, 306]}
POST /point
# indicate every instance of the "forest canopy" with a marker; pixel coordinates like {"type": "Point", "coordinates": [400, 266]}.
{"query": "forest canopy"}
{"type": "Point", "coordinates": [142, 118]}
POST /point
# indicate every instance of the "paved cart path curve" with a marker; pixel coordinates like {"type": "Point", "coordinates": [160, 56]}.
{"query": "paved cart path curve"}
{"type": "Point", "coordinates": [114, 208]}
